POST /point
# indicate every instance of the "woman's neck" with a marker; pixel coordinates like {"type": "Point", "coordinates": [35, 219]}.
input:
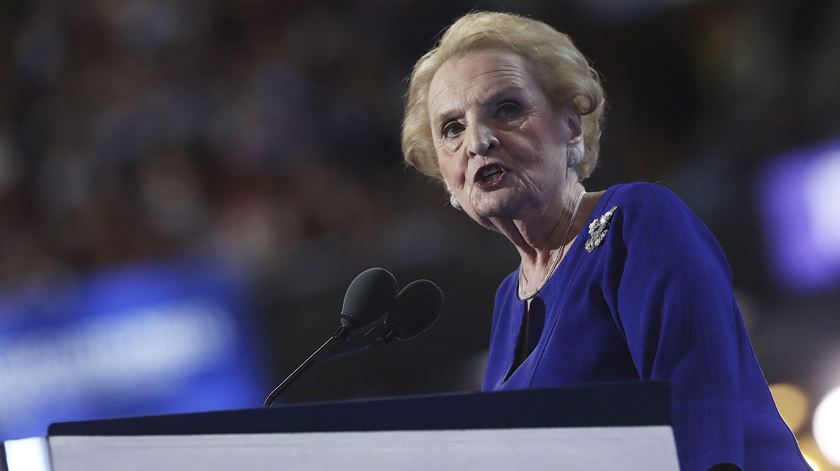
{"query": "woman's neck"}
{"type": "Point", "coordinates": [538, 238]}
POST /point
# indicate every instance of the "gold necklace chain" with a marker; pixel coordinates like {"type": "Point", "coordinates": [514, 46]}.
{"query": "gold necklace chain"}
{"type": "Point", "coordinates": [555, 259]}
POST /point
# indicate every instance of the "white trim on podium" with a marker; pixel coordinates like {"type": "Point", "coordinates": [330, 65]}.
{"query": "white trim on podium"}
{"type": "Point", "coordinates": [568, 448]}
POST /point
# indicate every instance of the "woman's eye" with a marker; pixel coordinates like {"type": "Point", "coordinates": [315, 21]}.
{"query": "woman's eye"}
{"type": "Point", "coordinates": [452, 129]}
{"type": "Point", "coordinates": [507, 109]}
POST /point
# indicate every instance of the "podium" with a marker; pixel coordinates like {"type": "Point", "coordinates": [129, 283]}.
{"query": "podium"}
{"type": "Point", "coordinates": [597, 427]}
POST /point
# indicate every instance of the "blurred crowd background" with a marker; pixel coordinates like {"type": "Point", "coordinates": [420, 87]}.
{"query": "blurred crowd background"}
{"type": "Point", "coordinates": [260, 140]}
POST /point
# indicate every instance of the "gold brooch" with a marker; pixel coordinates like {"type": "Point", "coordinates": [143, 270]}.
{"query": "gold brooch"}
{"type": "Point", "coordinates": [598, 230]}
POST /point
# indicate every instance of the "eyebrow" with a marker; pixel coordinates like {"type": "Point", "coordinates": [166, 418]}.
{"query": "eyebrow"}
{"type": "Point", "coordinates": [496, 95]}
{"type": "Point", "coordinates": [445, 116]}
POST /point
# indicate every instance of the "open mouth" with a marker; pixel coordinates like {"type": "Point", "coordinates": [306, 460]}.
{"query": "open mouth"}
{"type": "Point", "coordinates": [490, 175]}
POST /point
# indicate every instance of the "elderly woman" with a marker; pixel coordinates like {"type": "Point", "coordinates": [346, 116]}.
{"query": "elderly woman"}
{"type": "Point", "coordinates": [614, 285]}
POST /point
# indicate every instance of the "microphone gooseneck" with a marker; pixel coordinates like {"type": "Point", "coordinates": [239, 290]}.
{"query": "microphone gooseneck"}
{"type": "Point", "coordinates": [339, 334]}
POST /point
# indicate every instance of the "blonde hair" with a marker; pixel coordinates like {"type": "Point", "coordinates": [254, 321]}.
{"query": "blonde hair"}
{"type": "Point", "coordinates": [561, 70]}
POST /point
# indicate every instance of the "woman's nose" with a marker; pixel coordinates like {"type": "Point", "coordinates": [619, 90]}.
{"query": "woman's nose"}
{"type": "Point", "coordinates": [482, 140]}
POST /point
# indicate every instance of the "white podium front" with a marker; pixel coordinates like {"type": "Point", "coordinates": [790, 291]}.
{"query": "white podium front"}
{"type": "Point", "coordinates": [605, 427]}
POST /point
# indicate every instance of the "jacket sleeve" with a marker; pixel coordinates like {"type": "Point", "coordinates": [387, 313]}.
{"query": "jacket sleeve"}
{"type": "Point", "coordinates": [670, 293]}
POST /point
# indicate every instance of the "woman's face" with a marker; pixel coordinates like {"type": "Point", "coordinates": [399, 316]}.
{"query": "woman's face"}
{"type": "Point", "coordinates": [501, 146]}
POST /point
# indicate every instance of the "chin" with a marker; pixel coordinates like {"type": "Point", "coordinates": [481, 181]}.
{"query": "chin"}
{"type": "Point", "coordinates": [496, 205]}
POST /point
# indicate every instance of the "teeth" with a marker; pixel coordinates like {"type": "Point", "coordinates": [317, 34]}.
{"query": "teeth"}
{"type": "Point", "coordinates": [489, 171]}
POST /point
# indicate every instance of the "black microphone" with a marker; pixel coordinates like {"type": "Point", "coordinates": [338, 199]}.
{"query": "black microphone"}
{"type": "Point", "coordinates": [370, 295]}
{"type": "Point", "coordinates": [416, 309]}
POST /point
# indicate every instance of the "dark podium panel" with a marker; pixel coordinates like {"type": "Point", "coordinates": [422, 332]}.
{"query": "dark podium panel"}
{"type": "Point", "coordinates": [608, 426]}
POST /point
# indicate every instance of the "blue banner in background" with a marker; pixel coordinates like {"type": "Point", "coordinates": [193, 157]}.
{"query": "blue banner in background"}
{"type": "Point", "coordinates": [146, 339]}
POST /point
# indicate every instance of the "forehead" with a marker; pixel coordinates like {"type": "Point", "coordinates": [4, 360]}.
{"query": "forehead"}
{"type": "Point", "coordinates": [475, 76]}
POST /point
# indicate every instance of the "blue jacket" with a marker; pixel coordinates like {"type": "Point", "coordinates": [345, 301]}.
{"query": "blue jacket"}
{"type": "Point", "coordinates": [652, 301]}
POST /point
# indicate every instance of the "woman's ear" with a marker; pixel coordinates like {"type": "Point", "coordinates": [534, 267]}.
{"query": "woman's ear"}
{"type": "Point", "coordinates": [575, 126]}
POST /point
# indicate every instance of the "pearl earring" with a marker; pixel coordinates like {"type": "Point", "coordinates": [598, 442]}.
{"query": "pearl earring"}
{"type": "Point", "coordinates": [573, 157]}
{"type": "Point", "coordinates": [455, 203]}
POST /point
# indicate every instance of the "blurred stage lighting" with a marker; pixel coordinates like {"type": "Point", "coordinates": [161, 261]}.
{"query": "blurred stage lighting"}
{"type": "Point", "coordinates": [799, 201]}
{"type": "Point", "coordinates": [27, 454]}
{"type": "Point", "coordinates": [827, 426]}
{"type": "Point", "coordinates": [792, 404]}
{"type": "Point", "coordinates": [811, 452]}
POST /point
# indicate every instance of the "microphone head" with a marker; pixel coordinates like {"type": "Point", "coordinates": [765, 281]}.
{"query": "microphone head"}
{"type": "Point", "coordinates": [416, 309]}
{"type": "Point", "coordinates": [370, 295]}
